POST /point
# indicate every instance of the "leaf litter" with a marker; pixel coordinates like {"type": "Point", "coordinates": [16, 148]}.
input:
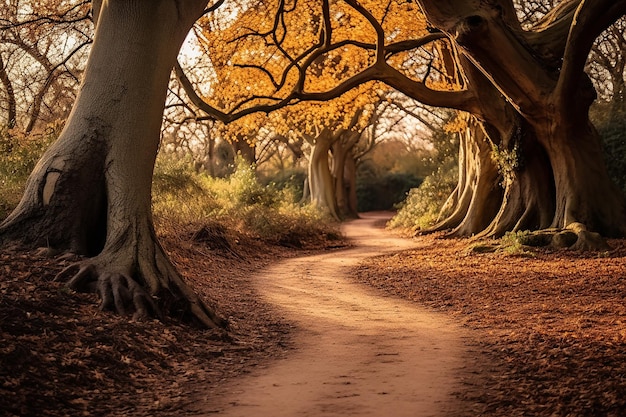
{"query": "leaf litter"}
{"type": "Point", "coordinates": [61, 356]}
{"type": "Point", "coordinates": [553, 324]}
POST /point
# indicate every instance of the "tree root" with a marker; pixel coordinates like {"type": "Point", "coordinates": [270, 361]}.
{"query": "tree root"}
{"type": "Point", "coordinates": [118, 292]}
{"type": "Point", "coordinates": [575, 237]}
{"type": "Point", "coordinates": [587, 241]}
{"type": "Point", "coordinates": [136, 278]}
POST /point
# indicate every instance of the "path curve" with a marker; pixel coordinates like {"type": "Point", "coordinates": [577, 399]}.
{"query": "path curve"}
{"type": "Point", "coordinates": [357, 352]}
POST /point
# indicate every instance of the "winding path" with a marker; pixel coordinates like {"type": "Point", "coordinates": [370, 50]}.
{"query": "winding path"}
{"type": "Point", "coordinates": [358, 353]}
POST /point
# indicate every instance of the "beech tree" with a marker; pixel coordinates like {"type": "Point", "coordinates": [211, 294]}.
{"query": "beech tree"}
{"type": "Point", "coordinates": [90, 192]}
{"type": "Point", "coordinates": [540, 72]}
{"type": "Point", "coordinates": [329, 149]}
{"type": "Point", "coordinates": [530, 158]}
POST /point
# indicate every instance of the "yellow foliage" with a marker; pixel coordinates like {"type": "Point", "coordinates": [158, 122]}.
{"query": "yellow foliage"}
{"type": "Point", "coordinates": [263, 51]}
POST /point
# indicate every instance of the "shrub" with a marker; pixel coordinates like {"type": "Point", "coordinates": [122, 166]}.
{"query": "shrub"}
{"type": "Point", "coordinates": [292, 179]}
{"type": "Point", "coordinates": [383, 192]}
{"type": "Point", "coordinates": [239, 202]}
{"type": "Point", "coordinates": [422, 206]}
{"type": "Point", "coordinates": [179, 194]}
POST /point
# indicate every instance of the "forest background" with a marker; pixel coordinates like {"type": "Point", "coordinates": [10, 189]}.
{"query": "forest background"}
{"type": "Point", "coordinates": [400, 141]}
{"type": "Point", "coordinates": [202, 190]}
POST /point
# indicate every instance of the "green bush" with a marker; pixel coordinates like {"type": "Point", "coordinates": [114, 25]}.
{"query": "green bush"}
{"type": "Point", "coordinates": [613, 134]}
{"type": "Point", "coordinates": [240, 202]}
{"type": "Point", "coordinates": [422, 206]}
{"type": "Point", "coordinates": [292, 178]}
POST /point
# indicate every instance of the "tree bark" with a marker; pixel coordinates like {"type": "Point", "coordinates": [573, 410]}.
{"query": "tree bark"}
{"type": "Point", "coordinates": [91, 191]}
{"type": "Point", "coordinates": [321, 183]}
{"type": "Point", "coordinates": [478, 195]}
{"type": "Point", "coordinates": [584, 192]}
{"type": "Point", "coordinates": [554, 101]}
{"type": "Point", "coordinates": [528, 200]}
{"type": "Point", "coordinates": [341, 154]}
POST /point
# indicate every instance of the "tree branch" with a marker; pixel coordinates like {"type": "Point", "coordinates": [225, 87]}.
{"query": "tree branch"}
{"type": "Point", "coordinates": [591, 19]}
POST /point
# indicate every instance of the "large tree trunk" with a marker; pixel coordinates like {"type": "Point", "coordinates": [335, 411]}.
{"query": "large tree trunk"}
{"type": "Point", "coordinates": [91, 191]}
{"type": "Point", "coordinates": [478, 195]}
{"type": "Point", "coordinates": [540, 72]}
{"type": "Point", "coordinates": [504, 184]}
{"type": "Point", "coordinates": [528, 200]}
{"type": "Point", "coordinates": [341, 153]}
{"type": "Point", "coordinates": [584, 191]}
{"type": "Point", "coordinates": [321, 183]}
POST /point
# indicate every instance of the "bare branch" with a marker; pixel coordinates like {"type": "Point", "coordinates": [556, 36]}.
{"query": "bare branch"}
{"type": "Point", "coordinates": [591, 19]}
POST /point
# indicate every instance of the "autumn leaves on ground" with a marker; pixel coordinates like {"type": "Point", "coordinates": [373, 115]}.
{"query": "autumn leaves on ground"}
{"type": "Point", "coordinates": [551, 323]}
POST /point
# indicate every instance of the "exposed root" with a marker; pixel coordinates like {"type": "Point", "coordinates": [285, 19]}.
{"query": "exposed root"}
{"type": "Point", "coordinates": [138, 279]}
{"type": "Point", "coordinates": [574, 237]}
{"type": "Point", "coordinates": [118, 292]}
{"type": "Point", "coordinates": [587, 241]}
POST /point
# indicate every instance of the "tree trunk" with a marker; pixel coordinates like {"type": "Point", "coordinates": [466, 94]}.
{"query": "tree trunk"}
{"type": "Point", "coordinates": [341, 153]}
{"type": "Point", "coordinates": [478, 194]}
{"type": "Point", "coordinates": [528, 201]}
{"type": "Point", "coordinates": [584, 192]}
{"type": "Point", "coordinates": [540, 72]}
{"type": "Point", "coordinates": [246, 149]}
{"type": "Point", "coordinates": [91, 191]}
{"type": "Point", "coordinates": [321, 183]}
{"type": "Point", "coordinates": [10, 96]}
{"type": "Point", "coordinates": [349, 181]}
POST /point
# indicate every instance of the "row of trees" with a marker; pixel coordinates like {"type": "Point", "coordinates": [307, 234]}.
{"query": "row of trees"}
{"type": "Point", "coordinates": [529, 155]}
{"type": "Point", "coordinates": [515, 98]}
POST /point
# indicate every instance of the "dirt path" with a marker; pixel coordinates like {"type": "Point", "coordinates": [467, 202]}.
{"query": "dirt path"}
{"type": "Point", "coordinates": [357, 353]}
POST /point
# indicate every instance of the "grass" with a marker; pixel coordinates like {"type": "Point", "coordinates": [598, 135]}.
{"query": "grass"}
{"type": "Point", "coordinates": [515, 243]}
{"type": "Point", "coordinates": [185, 198]}
{"type": "Point", "coordinates": [239, 202]}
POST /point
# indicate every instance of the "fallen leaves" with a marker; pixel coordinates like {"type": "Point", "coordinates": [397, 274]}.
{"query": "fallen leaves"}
{"type": "Point", "coordinates": [551, 325]}
{"type": "Point", "coordinates": [60, 355]}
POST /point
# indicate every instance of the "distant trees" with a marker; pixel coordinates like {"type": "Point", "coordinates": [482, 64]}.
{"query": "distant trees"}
{"type": "Point", "coordinates": [43, 46]}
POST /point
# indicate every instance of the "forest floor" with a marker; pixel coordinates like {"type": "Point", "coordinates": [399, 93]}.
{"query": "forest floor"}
{"type": "Point", "coordinates": [551, 324]}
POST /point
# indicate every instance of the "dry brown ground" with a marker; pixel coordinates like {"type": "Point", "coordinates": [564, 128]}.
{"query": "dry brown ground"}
{"type": "Point", "coordinates": [553, 322]}
{"type": "Point", "coordinates": [61, 356]}
{"type": "Point", "coordinates": [554, 326]}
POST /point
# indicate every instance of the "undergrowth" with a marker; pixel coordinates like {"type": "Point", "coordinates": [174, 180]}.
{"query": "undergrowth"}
{"type": "Point", "coordinates": [239, 202]}
{"type": "Point", "coordinates": [183, 198]}
{"type": "Point", "coordinates": [514, 243]}
{"type": "Point", "coordinates": [423, 205]}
